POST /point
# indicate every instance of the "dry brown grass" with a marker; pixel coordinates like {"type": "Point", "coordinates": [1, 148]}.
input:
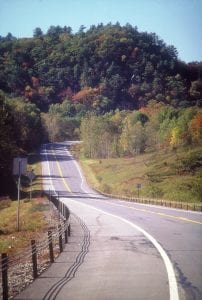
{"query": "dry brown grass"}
{"type": "Point", "coordinates": [33, 222]}
{"type": "Point", "coordinates": [166, 175]}
{"type": "Point", "coordinates": [35, 215]}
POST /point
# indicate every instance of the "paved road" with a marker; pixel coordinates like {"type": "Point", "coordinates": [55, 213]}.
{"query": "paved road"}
{"type": "Point", "coordinates": [123, 250]}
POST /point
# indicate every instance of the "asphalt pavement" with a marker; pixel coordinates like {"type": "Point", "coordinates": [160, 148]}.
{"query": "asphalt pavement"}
{"type": "Point", "coordinates": [118, 249]}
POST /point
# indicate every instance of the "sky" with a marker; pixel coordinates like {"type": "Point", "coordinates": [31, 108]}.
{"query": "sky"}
{"type": "Point", "coordinates": [177, 22]}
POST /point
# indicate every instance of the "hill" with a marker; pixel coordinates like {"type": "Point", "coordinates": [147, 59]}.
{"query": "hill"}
{"type": "Point", "coordinates": [52, 83]}
{"type": "Point", "coordinates": [103, 68]}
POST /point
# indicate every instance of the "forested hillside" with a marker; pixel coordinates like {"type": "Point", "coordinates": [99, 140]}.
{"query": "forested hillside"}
{"type": "Point", "coordinates": [51, 82]}
{"type": "Point", "coordinates": [105, 67]}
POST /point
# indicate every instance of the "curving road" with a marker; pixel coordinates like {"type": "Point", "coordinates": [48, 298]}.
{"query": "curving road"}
{"type": "Point", "coordinates": [127, 250]}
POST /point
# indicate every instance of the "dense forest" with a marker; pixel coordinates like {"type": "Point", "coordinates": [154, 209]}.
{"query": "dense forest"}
{"type": "Point", "coordinates": [127, 133]}
{"type": "Point", "coordinates": [109, 79]}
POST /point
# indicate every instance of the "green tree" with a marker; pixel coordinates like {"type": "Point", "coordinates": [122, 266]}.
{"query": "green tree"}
{"type": "Point", "coordinates": [61, 122]}
{"type": "Point", "coordinates": [133, 137]}
{"type": "Point", "coordinates": [98, 134]}
{"type": "Point", "coordinates": [8, 148]}
{"type": "Point", "coordinates": [38, 32]}
{"type": "Point", "coordinates": [26, 123]}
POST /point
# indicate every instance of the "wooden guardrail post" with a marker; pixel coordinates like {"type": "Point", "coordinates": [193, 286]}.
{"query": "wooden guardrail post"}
{"type": "Point", "coordinates": [50, 245]}
{"type": "Point", "coordinates": [66, 213]}
{"type": "Point", "coordinates": [65, 231]}
{"type": "Point", "coordinates": [60, 238]}
{"type": "Point", "coordinates": [69, 230]}
{"type": "Point", "coordinates": [4, 267]}
{"type": "Point", "coordinates": [58, 205]}
{"type": "Point", "coordinates": [66, 236]}
{"type": "Point", "coordinates": [34, 258]}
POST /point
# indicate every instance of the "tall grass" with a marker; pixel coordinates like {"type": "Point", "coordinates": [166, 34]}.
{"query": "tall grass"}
{"type": "Point", "coordinates": [32, 213]}
{"type": "Point", "coordinates": [169, 175]}
{"type": "Point", "coordinates": [32, 222]}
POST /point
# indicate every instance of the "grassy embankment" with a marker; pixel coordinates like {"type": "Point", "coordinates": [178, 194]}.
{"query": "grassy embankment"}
{"type": "Point", "coordinates": [32, 215]}
{"type": "Point", "coordinates": [169, 175]}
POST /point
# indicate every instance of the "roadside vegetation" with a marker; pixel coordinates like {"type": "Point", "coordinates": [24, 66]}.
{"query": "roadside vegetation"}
{"type": "Point", "coordinates": [34, 214]}
{"type": "Point", "coordinates": [158, 147]}
{"type": "Point", "coordinates": [124, 93]}
{"type": "Point", "coordinates": [51, 82]}
{"type": "Point", "coordinates": [32, 224]}
{"type": "Point", "coordinates": [164, 175]}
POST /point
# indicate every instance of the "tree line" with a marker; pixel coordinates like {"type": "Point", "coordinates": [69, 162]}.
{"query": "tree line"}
{"type": "Point", "coordinates": [102, 68]}
{"type": "Point", "coordinates": [120, 90]}
{"type": "Point", "coordinates": [128, 133]}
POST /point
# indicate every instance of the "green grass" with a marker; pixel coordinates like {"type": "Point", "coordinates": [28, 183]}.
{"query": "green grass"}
{"type": "Point", "coordinates": [31, 222]}
{"type": "Point", "coordinates": [32, 214]}
{"type": "Point", "coordinates": [168, 175]}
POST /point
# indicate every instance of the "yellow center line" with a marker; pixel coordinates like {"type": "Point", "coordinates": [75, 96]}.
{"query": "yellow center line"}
{"type": "Point", "coordinates": [61, 174]}
{"type": "Point", "coordinates": [180, 218]}
{"type": "Point", "coordinates": [137, 209]}
{"type": "Point", "coordinates": [161, 214]}
{"type": "Point", "coordinates": [189, 220]}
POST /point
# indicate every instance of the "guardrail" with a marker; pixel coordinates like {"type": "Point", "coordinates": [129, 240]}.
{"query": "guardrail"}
{"type": "Point", "coordinates": [161, 202]}
{"type": "Point", "coordinates": [33, 261]}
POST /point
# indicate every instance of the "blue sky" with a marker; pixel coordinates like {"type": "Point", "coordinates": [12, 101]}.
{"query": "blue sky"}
{"type": "Point", "coordinates": [177, 22]}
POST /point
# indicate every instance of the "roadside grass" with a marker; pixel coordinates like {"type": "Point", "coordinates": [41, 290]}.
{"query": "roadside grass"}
{"type": "Point", "coordinates": [170, 175]}
{"type": "Point", "coordinates": [32, 224]}
{"type": "Point", "coordinates": [33, 213]}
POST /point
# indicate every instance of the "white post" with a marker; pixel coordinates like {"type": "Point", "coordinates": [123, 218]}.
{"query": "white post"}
{"type": "Point", "coordinates": [18, 205]}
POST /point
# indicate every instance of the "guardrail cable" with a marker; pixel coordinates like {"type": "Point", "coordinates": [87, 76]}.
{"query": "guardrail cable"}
{"type": "Point", "coordinates": [41, 248]}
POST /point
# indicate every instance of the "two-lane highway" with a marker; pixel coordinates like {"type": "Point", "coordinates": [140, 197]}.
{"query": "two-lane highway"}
{"type": "Point", "coordinates": [174, 234]}
{"type": "Point", "coordinates": [134, 251]}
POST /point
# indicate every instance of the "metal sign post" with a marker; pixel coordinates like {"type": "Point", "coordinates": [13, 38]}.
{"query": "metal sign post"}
{"type": "Point", "coordinates": [19, 168]}
{"type": "Point", "coordinates": [18, 206]}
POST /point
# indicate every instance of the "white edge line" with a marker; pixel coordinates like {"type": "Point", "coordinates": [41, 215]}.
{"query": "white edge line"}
{"type": "Point", "coordinates": [51, 181]}
{"type": "Point", "coordinates": [173, 289]}
{"type": "Point", "coordinates": [122, 201]}
{"type": "Point", "coordinates": [169, 267]}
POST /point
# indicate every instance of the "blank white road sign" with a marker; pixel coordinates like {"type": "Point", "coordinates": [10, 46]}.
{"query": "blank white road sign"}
{"type": "Point", "coordinates": [19, 166]}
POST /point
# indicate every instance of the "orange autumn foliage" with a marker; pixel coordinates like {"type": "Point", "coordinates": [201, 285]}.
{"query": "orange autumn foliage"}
{"type": "Point", "coordinates": [86, 95]}
{"type": "Point", "coordinates": [196, 126]}
{"type": "Point", "coordinates": [152, 108]}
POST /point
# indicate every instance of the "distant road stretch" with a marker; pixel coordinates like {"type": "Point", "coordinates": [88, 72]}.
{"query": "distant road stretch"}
{"type": "Point", "coordinates": [135, 251]}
